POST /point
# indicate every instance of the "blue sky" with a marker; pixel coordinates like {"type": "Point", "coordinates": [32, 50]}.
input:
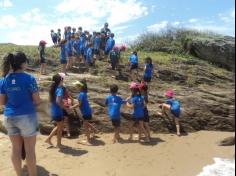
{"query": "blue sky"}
{"type": "Point", "coordinates": [28, 21]}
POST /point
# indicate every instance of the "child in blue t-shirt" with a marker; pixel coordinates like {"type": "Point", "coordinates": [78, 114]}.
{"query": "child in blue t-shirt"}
{"type": "Point", "coordinates": [85, 109]}
{"type": "Point", "coordinates": [54, 37]}
{"type": "Point", "coordinates": [109, 45]}
{"type": "Point", "coordinates": [76, 46]}
{"type": "Point", "coordinates": [174, 107]}
{"type": "Point", "coordinates": [41, 49]}
{"type": "Point", "coordinates": [56, 99]}
{"type": "Point", "coordinates": [69, 52]}
{"type": "Point", "coordinates": [144, 91]}
{"type": "Point", "coordinates": [133, 63]}
{"type": "Point", "coordinates": [114, 103]}
{"type": "Point", "coordinates": [63, 56]}
{"type": "Point", "coordinates": [114, 57]}
{"type": "Point", "coordinates": [148, 70]}
{"type": "Point", "coordinates": [137, 103]}
{"type": "Point", "coordinates": [89, 56]}
{"type": "Point", "coordinates": [97, 45]}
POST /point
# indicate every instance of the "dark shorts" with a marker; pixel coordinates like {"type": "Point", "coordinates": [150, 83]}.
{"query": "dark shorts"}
{"type": "Point", "coordinates": [87, 117]}
{"type": "Point", "coordinates": [134, 67]}
{"type": "Point", "coordinates": [57, 119]}
{"type": "Point", "coordinates": [134, 119]}
{"type": "Point", "coordinates": [65, 113]}
{"type": "Point", "coordinates": [42, 60]}
{"type": "Point", "coordinates": [146, 116]}
{"type": "Point", "coordinates": [176, 114]}
{"type": "Point", "coordinates": [107, 52]}
{"type": "Point", "coordinates": [63, 61]}
{"type": "Point", "coordinates": [96, 51]}
{"type": "Point", "coordinates": [116, 123]}
{"type": "Point", "coordinates": [70, 54]}
{"type": "Point", "coordinates": [148, 80]}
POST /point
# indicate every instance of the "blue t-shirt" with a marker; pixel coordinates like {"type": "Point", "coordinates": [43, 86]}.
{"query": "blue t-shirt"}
{"type": "Point", "coordinates": [148, 70]}
{"type": "Point", "coordinates": [69, 47]}
{"type": "Point", "coordinates": [18, 88]}
{"type": "Point", "coordinates": [133, 59]}
{"type": "Point", "coordinates": [84, 104]}
{"type": "Point", "coordinates": [97, 43]}
{"type": "Point", "coordinates": [175, 107]}
{"type": "Point", "coordinates": [138, 102]}
{"type": "Point", "coordinates": [82, 41]}
{"type": "Point", "coordinates": [110, 44]}
{"type": "Point", "coordinates": [56, 110]}
{"type": "Point", "coordinates": [114, 104]}
{"type": "Point", "coordinates": [63, 52]}
{"type": "Point", "coordinates": [68, 35]}
{"type": "Point", "coordinates": [89, 55]}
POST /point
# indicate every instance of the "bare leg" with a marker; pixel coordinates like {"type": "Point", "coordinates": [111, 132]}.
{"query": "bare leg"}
{"type": "Point", "coordinates": [53, 133]}
{"type": "Point", "coordinates": [177, 126]}
{"type": "Point", "coordinates": [116, 135]}
{"type": "Point", "coordinates": [17, 142]}
{"type": "Point", "coordinates": [147, 127]}
{"type": "Point", "coordinates": [42, 69]}
{"type": "Point", "coordinates": [66, 122]}
{"type": "Point", "coordinates": [142, 129]}
{"type": "Point", "coordinates": [87, 131]}
{"type": "Point", "coordinates": [131, 129]}
{"type": "Point", "coordinates": [64, 68]}
{"type": "Point", "coordinates": [30, 143]}
{"type": "Point", "coordinates": [59, 133]}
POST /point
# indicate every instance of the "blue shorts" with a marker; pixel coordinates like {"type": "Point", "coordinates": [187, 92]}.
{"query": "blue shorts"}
{"type": "Point", "coordinates": [63, 61]}
{"type": "Point", "coordinates": [24, 125]}
{"type": "Point", "coordinates": [175, 112]}
{"type": "Point", "coordinates": [69, 54]}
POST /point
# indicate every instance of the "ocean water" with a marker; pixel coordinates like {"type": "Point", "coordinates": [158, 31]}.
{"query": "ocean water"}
{"type": "Point", "coordinates": [221, 167]}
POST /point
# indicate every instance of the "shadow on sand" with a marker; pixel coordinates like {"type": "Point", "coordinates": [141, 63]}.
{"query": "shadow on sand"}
{"type": "Point", "coordinates": [41, 172]}
{"type": "Point", "coordinates": [154, 141]}
{"type": "Point", "coordinates": [72, 151]}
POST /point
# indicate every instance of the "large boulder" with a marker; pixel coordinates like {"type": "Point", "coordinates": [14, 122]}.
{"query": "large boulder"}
{"type": "Point", "coordinates": [217, 51]}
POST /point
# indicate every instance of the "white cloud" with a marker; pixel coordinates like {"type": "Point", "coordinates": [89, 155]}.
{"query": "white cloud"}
{"type": "Point", "coordinates": [34, 16]}
{"type": "Point", "coordinates": [5, 4]}
{"type": "Point", "coordinates": [114, 11]}
{"type": "Point", "coordinates": [158, 27]}
{"type": "Point", "coordinates": [193, 20]}
{"type": "Point", "coordinates": [176, 23]}
{"type": "Point", "coordinates": [7, 21]}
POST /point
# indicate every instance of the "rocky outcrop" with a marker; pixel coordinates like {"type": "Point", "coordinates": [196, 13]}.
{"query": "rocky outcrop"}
{"type": "Point", "coordinates": [227, 142]}
{"type": "Point", "coordinates": [217, 51]}
{"type": "Point", "coordinates": [208, 103]}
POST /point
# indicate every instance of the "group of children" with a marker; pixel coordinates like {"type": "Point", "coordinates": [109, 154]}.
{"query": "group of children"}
{"type": "Point", "coordinates": [137, 101]}
{"type": "Point", "coordinates": [79, 45]}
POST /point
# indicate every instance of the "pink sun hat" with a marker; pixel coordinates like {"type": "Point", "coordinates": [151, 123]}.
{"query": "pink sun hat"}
{"type": "Point", "coordinates": [63, 75]}
{"type": "Point", "coordinates": [134, 85]}
{"type": "Point", "coordinates": [169, 93]}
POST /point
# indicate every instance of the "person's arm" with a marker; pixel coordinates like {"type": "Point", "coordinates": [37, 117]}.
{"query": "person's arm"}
{"type": "Point", "coordinates": [75, 106]}
{"type": "Point", "coordinates": [2, 99]}
{"type": "Point", "coordinates": [33, 88]}
{"type": "Point", "coordinates": [128, 104]}
{"type": "Point", "coordinates": [36, 98]}
{"type": "Point", "coordinates": [59, 102]}
{"type": "Point", "coordinates": [131, 106]}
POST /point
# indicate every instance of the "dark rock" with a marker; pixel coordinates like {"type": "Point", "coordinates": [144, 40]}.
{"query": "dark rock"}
{"type": "Point", "coordinates": [218, 51]}
{"type": "Point", "coordinates": [227, 142]}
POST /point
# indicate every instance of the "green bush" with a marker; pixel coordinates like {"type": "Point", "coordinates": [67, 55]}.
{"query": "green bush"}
{"type": "Point", "coordinates": [174, 41]}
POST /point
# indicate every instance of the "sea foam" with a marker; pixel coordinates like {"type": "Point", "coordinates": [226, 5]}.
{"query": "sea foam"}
{"type": "Point", "coordinates": [221, 167]}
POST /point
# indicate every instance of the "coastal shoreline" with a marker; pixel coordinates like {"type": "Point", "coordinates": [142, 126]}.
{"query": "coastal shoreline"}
{"type": "Point", "coordinates": [168, 155]}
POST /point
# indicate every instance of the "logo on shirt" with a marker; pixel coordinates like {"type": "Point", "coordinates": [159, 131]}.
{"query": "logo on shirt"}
{"type": "Point", "coordinates": [13, 82]}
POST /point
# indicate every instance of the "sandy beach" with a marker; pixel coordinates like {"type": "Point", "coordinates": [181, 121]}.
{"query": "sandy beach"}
{"type": "Point", "coordinates": [168, 155]}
